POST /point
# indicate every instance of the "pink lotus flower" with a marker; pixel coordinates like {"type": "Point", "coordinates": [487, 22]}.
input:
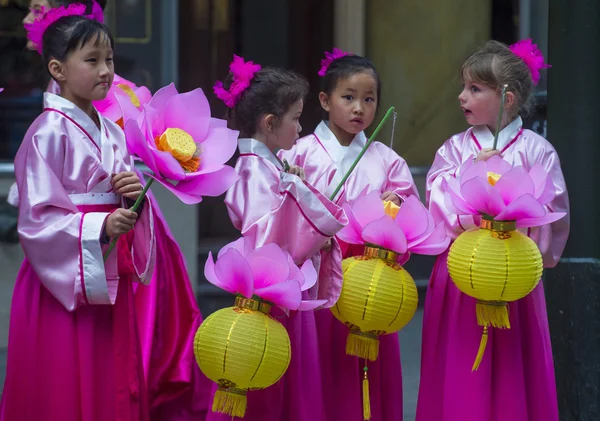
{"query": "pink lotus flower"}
{"type": "Point", "coordinates": [124, 101]}
{"type": "Point", "coordinates": [184, 147]}
{"type": "Point", "coordinates": [495, 190]}
{"type": "Point", "coordinates": [267, 272]}
{"type": "Point", "coordinates": [411, 229]}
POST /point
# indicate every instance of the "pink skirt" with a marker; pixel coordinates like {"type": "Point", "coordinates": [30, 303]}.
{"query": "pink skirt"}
{"type": "Point", "coordinates": [515, 381]}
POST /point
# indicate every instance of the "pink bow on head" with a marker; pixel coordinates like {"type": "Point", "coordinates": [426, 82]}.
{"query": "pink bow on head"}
{"type": "Point", "coordinates": [43, 19]}
{"type": "Point", "coordinates": [529, 52]}
{"type": "Point", "coordinates": [330, 58]}
{"type": "Point", "coordinates": [97, 12]}
{"type": "Point", "coordinates": [242, 72]}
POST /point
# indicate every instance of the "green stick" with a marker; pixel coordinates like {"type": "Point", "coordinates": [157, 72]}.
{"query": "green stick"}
{"type": "Point", "coordinates": [500, 114]}
{"type": "Point", "coordinates": [134, 208]}
{"type": "Point", "coordinates": [387, 115]}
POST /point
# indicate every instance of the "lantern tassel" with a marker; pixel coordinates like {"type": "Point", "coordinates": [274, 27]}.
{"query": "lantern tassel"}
{"type": "Point", "coordinates": [493, 314]}
{"type": "Point", "coordinates": [230, 402]}
{"type": "Point", "coordinates": [366, 397]}
{"type": "Point", "coordinates": [482, 346]}
{"type": "Point", "coordinates": [362, 345]}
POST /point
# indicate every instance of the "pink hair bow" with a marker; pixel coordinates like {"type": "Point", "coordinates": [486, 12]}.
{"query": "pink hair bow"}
{"type": "Point", "coordinates": [43, 19]}
{"type": "Point", "coordinates": [330, 58]}
{"type": "Point", "coordinates": [529, 52]}
{"type": "Point", "coordinates": [242, 72]}
{"type": "Point", "coordinates": [97, 12]}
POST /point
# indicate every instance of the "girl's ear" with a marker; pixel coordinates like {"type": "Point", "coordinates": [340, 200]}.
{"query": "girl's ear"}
{"type": "Point", "coordinates": [324, 100]}
{"type": "Point", "coordinates": [509, 102]}
{"type": "Point", "coordinates": [267, 123]}
{"type": "Point", "coordinates": [57, 70]}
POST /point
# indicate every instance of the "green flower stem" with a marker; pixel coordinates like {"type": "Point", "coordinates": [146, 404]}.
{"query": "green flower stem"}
{"type": "Point", "coordinates": [134, 208]}
{"type": "Point", "coordinates": [500, 114]}
{"type": "Point", "coordinates": [387, 115]}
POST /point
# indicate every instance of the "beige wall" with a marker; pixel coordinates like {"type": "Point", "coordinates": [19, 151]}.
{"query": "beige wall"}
{"type": "Point", "coordinates": [418, 46]}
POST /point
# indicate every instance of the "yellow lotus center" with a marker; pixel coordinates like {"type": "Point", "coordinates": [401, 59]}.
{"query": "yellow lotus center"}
{"type": "Point", "coordinates": [131, 94]}
{"type": "Point", "coordinates": [390, 208]}
{"type": "Point", "coordinates": [181, 145]}
{"type": "Point", "coordinates": [493, 178]}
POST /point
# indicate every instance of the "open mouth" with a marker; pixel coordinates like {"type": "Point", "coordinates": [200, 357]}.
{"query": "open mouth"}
{"type": "Point", "coordinates": [467, 112]}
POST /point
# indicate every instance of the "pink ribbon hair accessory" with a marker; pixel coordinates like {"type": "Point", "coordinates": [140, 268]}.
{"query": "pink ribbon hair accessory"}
{"type": "Point", "coordinates": [242, 72]}
{"type": "Point", "coordinates": [529, 52]}
{"type": "Point", "coordinates": [330, 58]}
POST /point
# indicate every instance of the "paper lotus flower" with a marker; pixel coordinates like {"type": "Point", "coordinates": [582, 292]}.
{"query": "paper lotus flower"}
{"type": "Point", "coordinates": [496, 190]}
{"type": "Point", "coordinates": [267, 272]}
{"type": "Point", "coordinates": [407, 228]}
{"type": "Point", "coordinates": [184, 147]}
{"type": "Point", "coordinates": [124, 101]}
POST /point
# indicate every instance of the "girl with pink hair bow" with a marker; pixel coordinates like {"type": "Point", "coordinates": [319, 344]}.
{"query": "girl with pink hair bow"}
{"type": "Point", "coordinates": [272, 203]}
{"type": "Point", "coordinates": [350, 96]}
{"type": "Point", "coordinates": [515, 381]}
{"type": "Point", "coordinates": [168, 310]}
{"type": "Point", "coordinates": [74, 346]}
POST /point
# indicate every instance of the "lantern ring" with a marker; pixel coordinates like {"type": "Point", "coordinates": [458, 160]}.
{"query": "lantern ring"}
{"type": "Point", "coordinates": [365, 334]}
{"type": "Point", "coordinates": [492, 303]}
{"type": "Point", "coordinates": [233, 390]}
{"type": "Point", "coordinates": [373, 251]}
{"type": "Point", "coordinates": [252, 304]}
{"type": "Point", "coordinates": [502, 226]}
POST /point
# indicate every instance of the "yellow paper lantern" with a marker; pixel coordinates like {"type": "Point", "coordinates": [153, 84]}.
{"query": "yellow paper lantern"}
{"type": "Point", "coordinates": [494, 264]}
{"type": "Point", "coordinates": [378, 297]}
{"type": "Point", "coordinates": [241, 348]}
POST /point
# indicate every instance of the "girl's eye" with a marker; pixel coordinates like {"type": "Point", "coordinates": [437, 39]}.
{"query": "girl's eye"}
{"type": "Point", "coordinates": [109, 59]}
{"type": "Point", "coordinates": [369, 99]}
{"type": "Point", "coordinates": [90, 60]}
{"type": "Point", "coordinates": [348, 97]}
{"type": "Point", "coordinates": [475, 89]}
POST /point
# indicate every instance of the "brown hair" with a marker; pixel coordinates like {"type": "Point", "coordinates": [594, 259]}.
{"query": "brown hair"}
{"type": "Point", "coordinates": [495, 65]}
{"type": "Point", "coordinates": [271, 91]}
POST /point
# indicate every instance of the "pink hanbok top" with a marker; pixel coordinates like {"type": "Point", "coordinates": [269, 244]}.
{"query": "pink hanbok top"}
{"type": "Point", "coordinates": [272, 206]}
{"type": "Point", "coordinates": [519, 147]}
{"type": "Point", "coordinates": [64, 163]}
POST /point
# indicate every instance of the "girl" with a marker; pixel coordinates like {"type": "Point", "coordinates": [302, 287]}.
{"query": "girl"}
{"type": "Point", "coordinates": [516, 378]}
{"type": "Point", "coordinates": [74, 350]}
{"type": "Point", "coordinates": [168, 313]}
{"type": "Point", "coordinates": [351, 95]}
{"type": "Point", "coordinates": [271, 205]}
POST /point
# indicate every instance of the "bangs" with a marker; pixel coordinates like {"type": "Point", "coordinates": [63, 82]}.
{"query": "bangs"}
{"type": "Point", "coordinates": [479, 67]}
{"type": "Point", "coordinates": [89, 30]}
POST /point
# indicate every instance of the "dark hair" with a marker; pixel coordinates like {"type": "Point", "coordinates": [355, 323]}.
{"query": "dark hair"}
{"type": "Point", "coordinates": [344, 67]}
{"type": "Point", "coordinates": [69, 33]}
{"type": "Point", "coordinates": [88, 3]}
{"type": "Point", "coordinates": [495, 65]}
{"type": "Point", "coordinates": [271, 91]}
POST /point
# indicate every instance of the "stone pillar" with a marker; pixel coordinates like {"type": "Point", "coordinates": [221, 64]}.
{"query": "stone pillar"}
{"type": "Point", "coordinates": [418, 47]}
{"type": "Point", "coordinates": [349, 22]}
{"type": "Point", "coordinates": [573, 288]}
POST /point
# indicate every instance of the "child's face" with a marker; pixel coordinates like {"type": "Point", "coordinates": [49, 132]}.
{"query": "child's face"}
{"type": "Point", "coordinates": [353, 102]}
{"type": "Point", "coordinates": [287, 131]}
{"type": "Point", "coordinates": [480, 103]}
{"type": "Point", "coordinates": [88, 72]}
{"type": "Point", "coordinates": [35, 6]}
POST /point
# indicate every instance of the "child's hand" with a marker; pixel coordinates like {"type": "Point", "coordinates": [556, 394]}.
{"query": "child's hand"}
{"type": "Point", "coordinates": [327, 246]}
{"type": "Point", "coordinates": [486, 154]}
{"type": "Point", "coordinates": [127, 184]}
{"type": "Point", "coordinates": [121, 221]}
{"type": "Point", "coordinates": [296, 170]}
{"type": "Point", "coordinates": [392, 197]}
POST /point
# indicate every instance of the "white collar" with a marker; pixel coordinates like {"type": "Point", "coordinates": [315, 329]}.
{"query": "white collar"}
{"type": "Point", "coordinates": [248, 145]}
{"type": "Point", "coordinates": [66, 107]}
{"type": "Point", "coordinates": [486, 138]}
{"type": "Point", "coordinates": [331, 144]}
